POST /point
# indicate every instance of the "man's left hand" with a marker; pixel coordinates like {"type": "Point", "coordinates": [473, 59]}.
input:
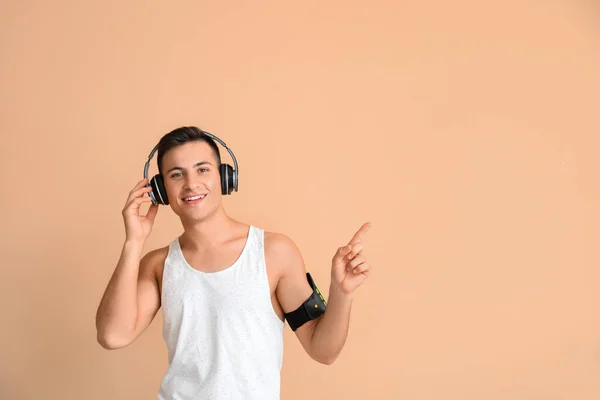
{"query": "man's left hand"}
{"type": "Point", "coordinates": [350, 267]}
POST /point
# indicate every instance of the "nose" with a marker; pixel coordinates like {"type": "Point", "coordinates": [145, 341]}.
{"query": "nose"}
{"type": "Point", "coordinates": [191, 182]}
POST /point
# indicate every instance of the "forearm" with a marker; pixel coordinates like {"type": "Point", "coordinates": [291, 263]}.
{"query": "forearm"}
{"type": "Point", "coordinates": [331, 330]}
{"type": "Point", "coordinates": [117, 313]}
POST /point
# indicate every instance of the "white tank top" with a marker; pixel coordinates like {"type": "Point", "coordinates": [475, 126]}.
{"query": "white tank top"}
{"type": "Point", "coordinates": [224, 339]}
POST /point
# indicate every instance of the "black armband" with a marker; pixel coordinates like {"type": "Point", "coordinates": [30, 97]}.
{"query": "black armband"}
{"type": "Point", "coordinates": [311, 309]}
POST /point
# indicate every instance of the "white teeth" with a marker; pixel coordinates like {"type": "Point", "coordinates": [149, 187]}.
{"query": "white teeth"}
{"type": "Point", "coordinates": [194, 198]}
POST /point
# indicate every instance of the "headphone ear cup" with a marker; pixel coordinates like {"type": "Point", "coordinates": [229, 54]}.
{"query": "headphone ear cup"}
{"type": "Point", "coordinates": [226, 172]}
{"type": "Point", "coordinates": [158, 190]}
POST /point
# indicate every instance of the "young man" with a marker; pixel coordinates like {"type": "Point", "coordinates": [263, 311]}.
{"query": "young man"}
{"type": "Point", "coordinates": [225, 287]}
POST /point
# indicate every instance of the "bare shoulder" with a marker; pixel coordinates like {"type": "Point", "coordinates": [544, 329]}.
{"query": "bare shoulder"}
{"type": "Point", "coordinates": [282, 254]}
{"type": "Point", "coordinates": [155, 256]}
{"type": "Point", "coordinates": [153, 262]}
{"type": "Point", "coordinates": [281, 250]}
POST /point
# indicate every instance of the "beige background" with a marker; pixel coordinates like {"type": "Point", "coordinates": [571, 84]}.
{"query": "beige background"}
{"type": "Point", "coordinates": [466, 131]}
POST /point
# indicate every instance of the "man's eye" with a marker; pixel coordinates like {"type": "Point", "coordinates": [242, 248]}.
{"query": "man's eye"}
{"type": "Point", "coordinates": [204, 169]}
{"type": "Point", "coordinates": [175, 175]}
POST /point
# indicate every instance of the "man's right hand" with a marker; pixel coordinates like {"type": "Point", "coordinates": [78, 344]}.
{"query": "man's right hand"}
{"type": "Point", "coordinates": [138, 227]}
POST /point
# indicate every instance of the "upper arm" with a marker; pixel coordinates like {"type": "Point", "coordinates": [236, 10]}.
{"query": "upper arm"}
{"type": "Point", "coordinates": [148, 292]}
{"type": "Point", "coordinates": [293, 288]}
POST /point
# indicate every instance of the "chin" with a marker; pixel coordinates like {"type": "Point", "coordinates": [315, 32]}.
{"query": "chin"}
{"type": "Point", "coordinates": [194, 215]}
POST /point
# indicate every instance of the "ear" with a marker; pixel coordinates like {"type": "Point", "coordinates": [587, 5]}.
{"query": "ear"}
{"type": "Point", "coordinates": [158, 187]}
{"type": "Point", "coordinates": [226, 172]}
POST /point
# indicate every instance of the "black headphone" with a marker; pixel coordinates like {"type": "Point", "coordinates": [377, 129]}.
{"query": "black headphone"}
{"type": "Point", "coordinates": [229, 176]}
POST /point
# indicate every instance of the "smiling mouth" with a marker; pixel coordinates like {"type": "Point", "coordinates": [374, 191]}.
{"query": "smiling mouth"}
{"type": "Point", "coordinates": [194, 198]}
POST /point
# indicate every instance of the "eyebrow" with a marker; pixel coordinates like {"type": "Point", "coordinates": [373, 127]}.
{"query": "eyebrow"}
{"type": "Point", "coordinates": [195, 165]}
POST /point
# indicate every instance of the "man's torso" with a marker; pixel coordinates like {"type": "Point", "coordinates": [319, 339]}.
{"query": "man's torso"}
{"type": "Point", "coordinates": [218, 259]}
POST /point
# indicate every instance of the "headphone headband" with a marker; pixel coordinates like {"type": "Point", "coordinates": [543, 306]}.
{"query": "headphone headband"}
{"type": "Point", "coordinates": [147, 165]}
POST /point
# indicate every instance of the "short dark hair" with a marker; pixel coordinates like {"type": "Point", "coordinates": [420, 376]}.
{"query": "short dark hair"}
{"type": "Point", "coordinates": [183, 135]}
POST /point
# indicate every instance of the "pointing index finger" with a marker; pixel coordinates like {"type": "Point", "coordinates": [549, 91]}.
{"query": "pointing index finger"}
{"type": "Point", "coordinates": [361, 233]}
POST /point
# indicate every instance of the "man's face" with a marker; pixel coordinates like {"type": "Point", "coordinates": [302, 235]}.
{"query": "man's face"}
{"type": "Point", "coordinates": [192, 181]}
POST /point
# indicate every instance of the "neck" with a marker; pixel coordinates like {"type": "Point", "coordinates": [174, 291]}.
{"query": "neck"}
{"type": "Point", "coordinates": [211, 230]}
